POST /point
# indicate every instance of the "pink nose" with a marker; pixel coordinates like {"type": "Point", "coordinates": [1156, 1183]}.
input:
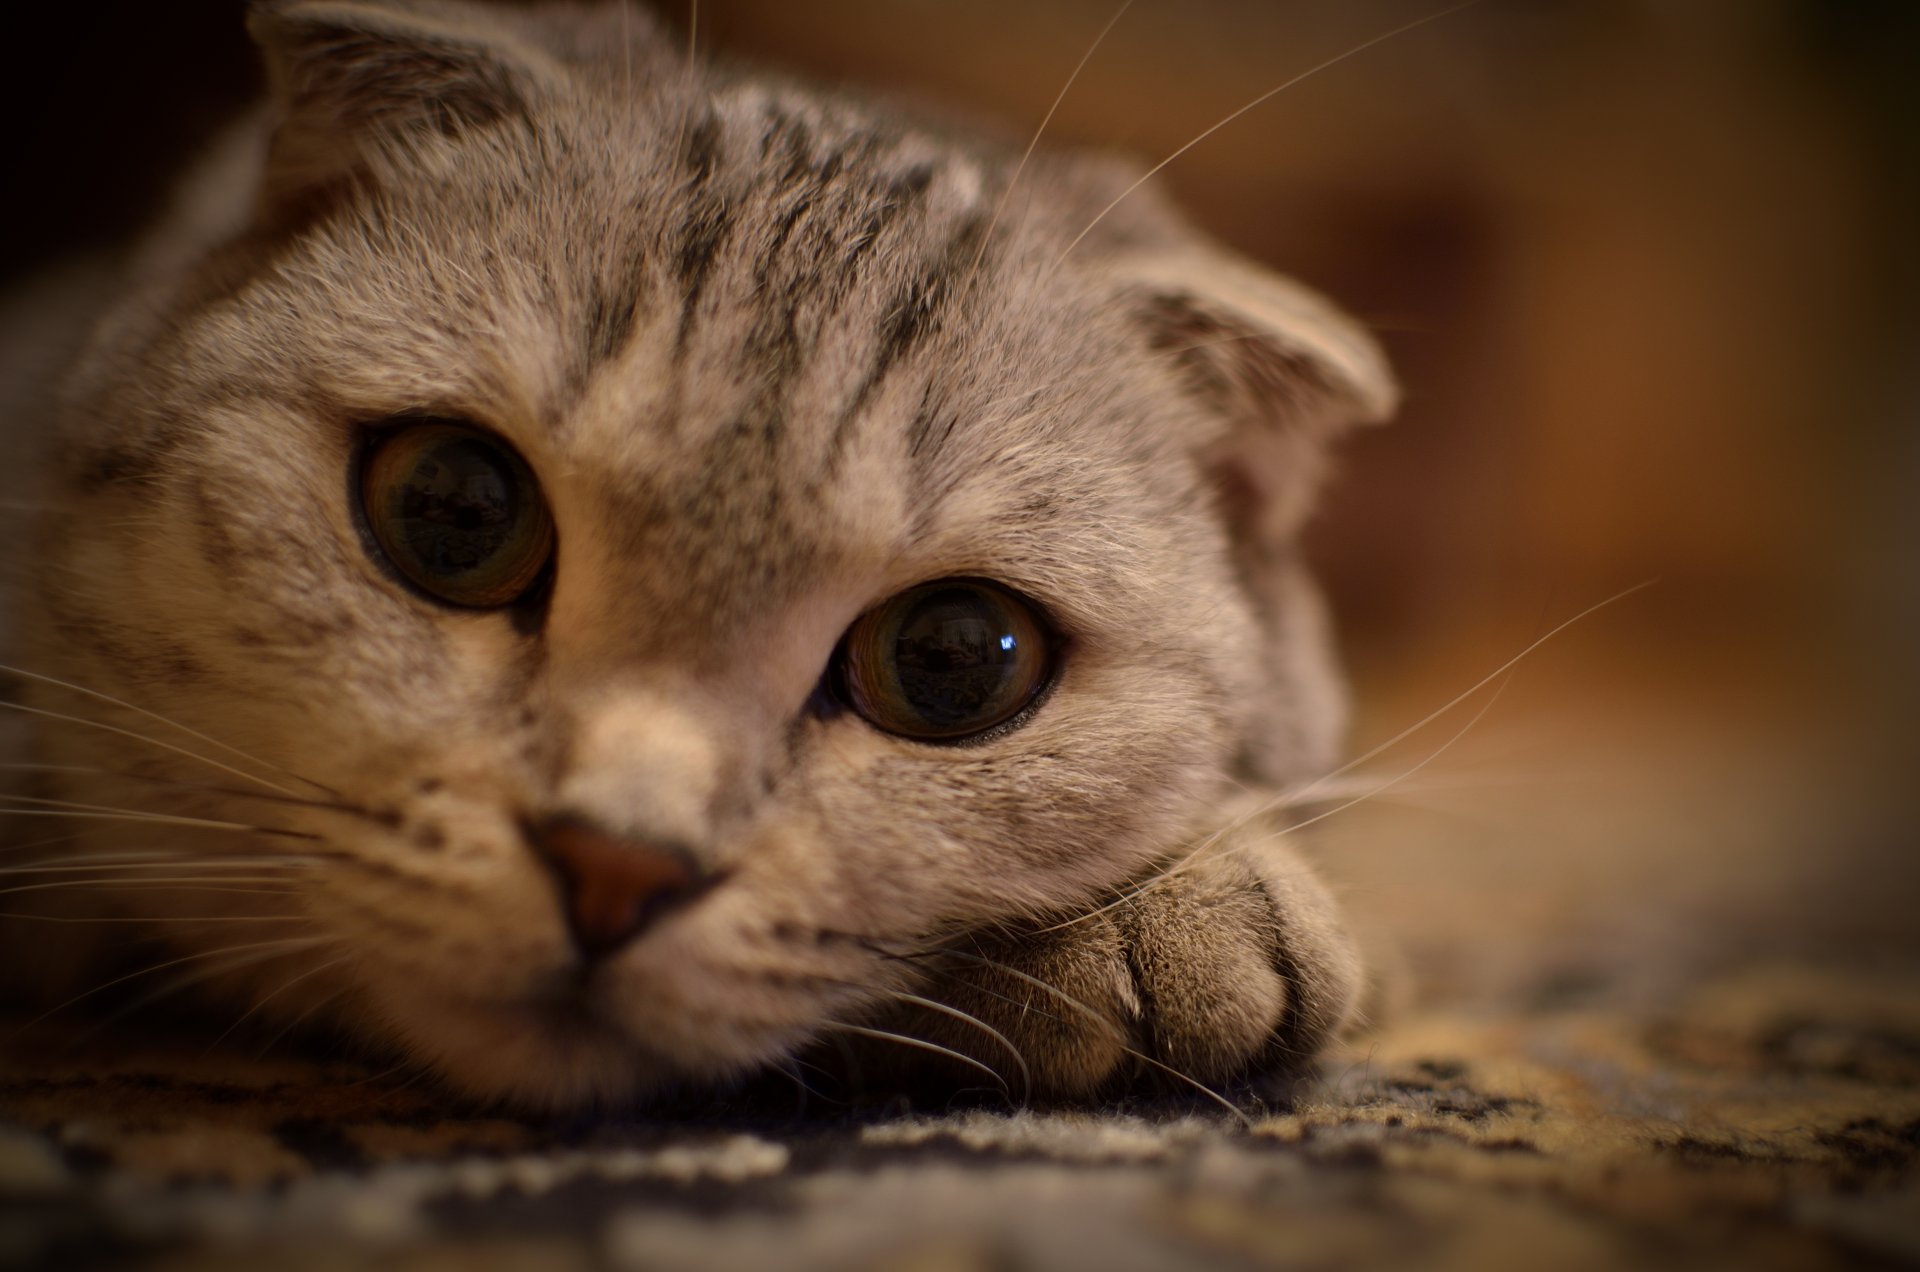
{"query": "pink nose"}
{"type": "Point", "coordinates": [613, 888]}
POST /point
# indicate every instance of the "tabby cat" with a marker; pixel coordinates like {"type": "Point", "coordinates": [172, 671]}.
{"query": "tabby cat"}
{"type": "Point", "coordinates": [595, 572]}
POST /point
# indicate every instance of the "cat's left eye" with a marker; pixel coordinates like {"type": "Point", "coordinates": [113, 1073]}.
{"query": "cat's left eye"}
{"type": "Point", "coordinates": [945, 661]}
{"type": "Point", "coordinates": [457, 512]}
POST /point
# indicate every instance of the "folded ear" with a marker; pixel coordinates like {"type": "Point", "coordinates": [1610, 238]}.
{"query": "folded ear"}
{"type": "Point", "coordinates": [1278, 369]}
{"type": "Point", "coordinates": [1275, 372]}
{"type": "Point", "coordinates": [347, 76]}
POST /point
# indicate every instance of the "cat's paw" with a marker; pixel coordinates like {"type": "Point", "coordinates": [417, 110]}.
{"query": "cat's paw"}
{"type": "Point", "coordinates": [1231, 962]}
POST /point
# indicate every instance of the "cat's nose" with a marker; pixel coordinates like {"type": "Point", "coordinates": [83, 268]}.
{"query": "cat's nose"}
{"type": "Point", "coordinates": [613, 887]}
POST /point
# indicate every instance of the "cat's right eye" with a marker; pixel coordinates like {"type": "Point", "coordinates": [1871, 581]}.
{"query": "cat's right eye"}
{"type": "Point", "coordinates": [457, 512]}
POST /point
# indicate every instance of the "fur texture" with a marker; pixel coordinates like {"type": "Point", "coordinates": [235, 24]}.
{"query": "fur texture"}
{"type": "Point", "coordinates": [774, 356]}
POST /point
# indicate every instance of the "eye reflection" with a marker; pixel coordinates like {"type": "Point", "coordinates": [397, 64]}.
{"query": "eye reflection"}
{"type": "Point", "coordinates": [945, 660]}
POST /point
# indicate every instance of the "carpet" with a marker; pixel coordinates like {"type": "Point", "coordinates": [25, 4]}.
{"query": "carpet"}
{"type": "Point", "coordinates": [1771, 1119]}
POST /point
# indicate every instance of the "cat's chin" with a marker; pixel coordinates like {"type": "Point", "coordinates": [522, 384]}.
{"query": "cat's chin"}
{"type": "Point", "coordinates": [535, 1057]}
{"type": "Point", "coordinates": [550, 1055]}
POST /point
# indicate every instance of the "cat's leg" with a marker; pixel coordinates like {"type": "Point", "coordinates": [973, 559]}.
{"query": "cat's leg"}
{"type": "Point", "coordinates": [1233, 961]}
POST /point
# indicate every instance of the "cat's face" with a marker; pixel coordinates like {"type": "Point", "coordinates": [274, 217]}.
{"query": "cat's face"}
{"type": "Point", "coordinates": [756, 364]}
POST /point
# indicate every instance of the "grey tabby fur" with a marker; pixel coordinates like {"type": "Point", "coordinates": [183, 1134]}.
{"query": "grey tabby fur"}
{"type": "Point", "coordinates": [774, 357]}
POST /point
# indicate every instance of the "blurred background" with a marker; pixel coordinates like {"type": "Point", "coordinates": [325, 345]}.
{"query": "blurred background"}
{"type": "Point", "coordinates": [1647, 269]}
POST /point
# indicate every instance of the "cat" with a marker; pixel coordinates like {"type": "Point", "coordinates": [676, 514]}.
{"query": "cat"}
{"type": "Point", "coordinates": [594, 572]}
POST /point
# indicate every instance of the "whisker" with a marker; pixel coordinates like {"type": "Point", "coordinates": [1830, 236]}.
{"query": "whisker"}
{"type": "Point", "coordinates": [171, 723]}
{"type": "Point", "coordinates": [965, 1018]}
{"type": "Point", "coordinates": [1000, 207]}
{"type": "Point", "coordinates": [154, 819]}
{"type": "Point", "coordinates": [1481, 683]}
{"type": "Point", "coordinates": [186, 881]}
{"type": "Point", "coordinates": [296, 1022]}
{"type": "Point", "coordinates": [1026, 1006]}
{"type": "Point", "coordinates": [1271, 93]}
{"type": "Point", "coordinates": [1193, 1082]}
{"type": "Point", "coordinates": [48, 842]}
{"type": "Point", "coordinates": [922, 1044]}
{"type": "Point", "coordinates": [802, 1091]}
{"type": "Point", "coordinates": [403, 1063]}
{"type": "Point", "coordinates": [181, 983]}
{"type": "Point", "coordinates": [283, 942]}
{"type": "Point", "coordinates": [262, 1002]}
{"type": "Point", "coordinates": [948, 951]}
{"type": "Point", "coordinates": [1192, 859]}
{"type": "Point", "coordinates": [141, 737]}
{"type": "Point", "coordinates": [791, 1069]}
{"type": "Point", "coordinates": [153, 863]}
{"type": "Point", "coordinates": [170, 920]}
{"type": "Point", "coordinates": [1134, 893]}
{"type": "Point", "coordinates": [1307, 794]}
{"type": "Point", "coordinates": [1376, 785]}
{"type": "Point", "coordinates": [208, 788]}
{"type": "Point", "coordinates": [1246, 1123]}
{"type": "Point", "coordinates": [44, 802]}
{"type": "Point", "coordinates": [1431, 756]}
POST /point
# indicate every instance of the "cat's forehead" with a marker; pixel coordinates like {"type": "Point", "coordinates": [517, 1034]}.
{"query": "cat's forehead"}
{"type": "Point", "coordinates": [747, 225]}
{"type": "Point", "coordinates": [748, 328]}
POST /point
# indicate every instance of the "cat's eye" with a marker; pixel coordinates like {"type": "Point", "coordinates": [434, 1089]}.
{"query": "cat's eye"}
{"type": "Point", "coordinates": [457, 512]}
{"type": "Point", "coordinates": [944, 661]}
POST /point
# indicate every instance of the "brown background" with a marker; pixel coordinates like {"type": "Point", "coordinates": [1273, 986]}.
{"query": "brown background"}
{"type": "Point", "coordinates": [1647, 271]}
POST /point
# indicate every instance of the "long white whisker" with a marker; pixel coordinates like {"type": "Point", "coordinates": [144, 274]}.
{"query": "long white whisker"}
{"type": "Point", "coordinates": [141, 737]}
{"type": "Point", "coordinates": [205, 882]}
{"type": "Point", "coordinates": [1373, 784]}
{"type": "Point", "coordinates": [262, 1002]}
{"type": "Point", "coordinates": [1271, 93]}
{"type": "Point", "coordinates": [1429, 758]}
{"type": "Point", "coordinates": [186, 981]}
{"type": "Point", "coordinates": [153, 819]}
{"type": "Point", "coordinates": [1475, 687]}
{"type": "Point", "coordinates": [1308, 793]}
{"type": "Point", "coordinates": [954, 1013]}
{"type": "Point", "coordinates": [295, 1023]}
{"type": "Point", "coordinates": [297, 801]}
{"type": "Point", "coordinates": [43, 802]}
{"type": "Point", "coordinates": [171, 919]}
{"type": "Point", "coordinates": [173, 724]}
{"type": "Point", "coordinates": [1172, 870]}
{"type": "Point", "coordinates": [1000, 207]}
{"type": "Point", "coordinates": [1219, 1099]}
{"type": "Point", "coordinates": [1246, 1123]}
{"type": "Point", "coordinates": [149, 861]}
{"type": "Point", "coordinates": [921, 1044]}
{"type": "Point", "coordinates": [1192, 859]}
{"type": "Point", "coordinates": [48, 842]}
{"type": "Point", "coordinates": [282, 942]}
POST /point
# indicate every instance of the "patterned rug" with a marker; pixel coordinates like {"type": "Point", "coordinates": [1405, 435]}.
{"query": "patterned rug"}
{"type": "Point", "coordinates": [1766, 1120]}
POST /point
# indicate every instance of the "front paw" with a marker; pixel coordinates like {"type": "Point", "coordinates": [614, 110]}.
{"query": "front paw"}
{"type": "Point", "coordinates": [1232, 961]}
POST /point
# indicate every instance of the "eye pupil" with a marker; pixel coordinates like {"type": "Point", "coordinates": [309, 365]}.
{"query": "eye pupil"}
{"type": "Point", "coordinates": [954, 656]}
{"type": "Point", "coordinates": [945, 660]}
{"type": "Point", "coordinates": [458, 513]}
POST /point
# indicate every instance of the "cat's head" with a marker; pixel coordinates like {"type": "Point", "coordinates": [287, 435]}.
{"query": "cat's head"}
{"type": "Point", "coordinates": [665, 542]}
